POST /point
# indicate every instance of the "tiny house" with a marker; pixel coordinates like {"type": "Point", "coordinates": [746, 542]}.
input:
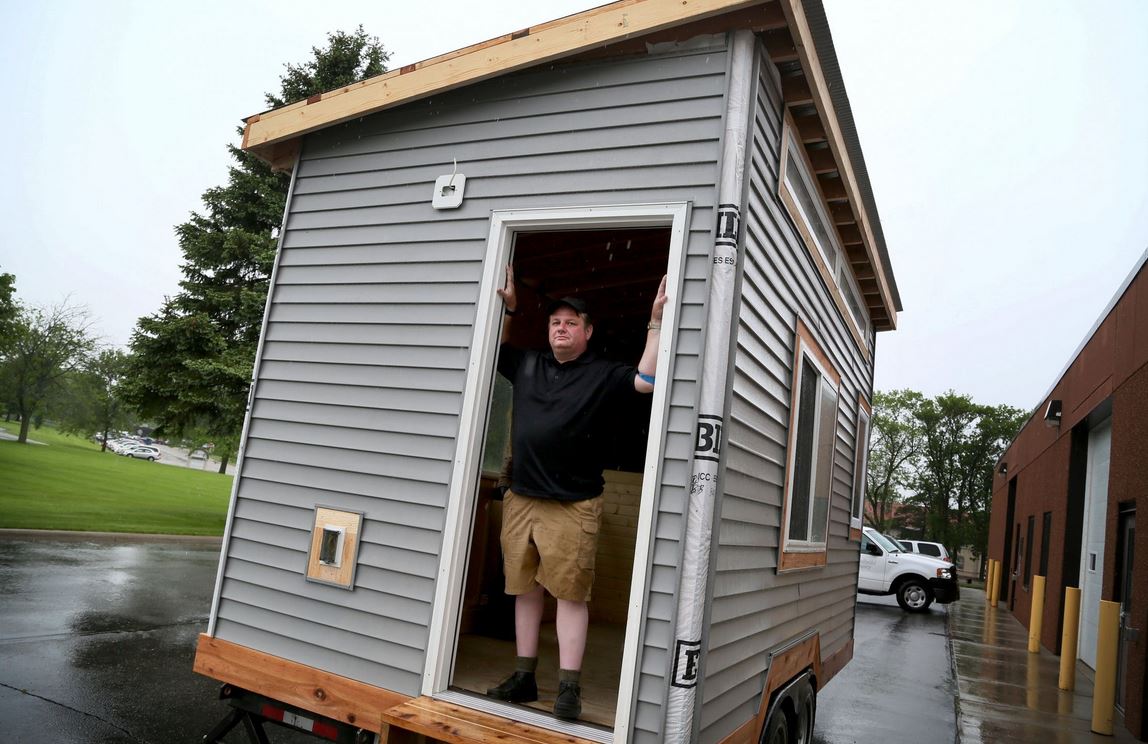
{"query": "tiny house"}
{"type": "Point", "coordinates": [710, 142]}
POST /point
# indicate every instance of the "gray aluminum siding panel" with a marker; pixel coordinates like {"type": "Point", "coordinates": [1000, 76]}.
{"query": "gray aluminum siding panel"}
{"type": "Point", "coordinates": [358, 397]}
{"type": "Point", "coordinates": [755, 609]}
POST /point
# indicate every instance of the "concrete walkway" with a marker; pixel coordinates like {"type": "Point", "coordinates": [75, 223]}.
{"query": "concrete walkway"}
{"type": "Point", "coordinates": [1007, 694]}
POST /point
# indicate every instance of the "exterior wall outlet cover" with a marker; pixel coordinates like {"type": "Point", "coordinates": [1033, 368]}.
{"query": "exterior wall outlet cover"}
{"type": "Point", "coordinates": [448, 191]}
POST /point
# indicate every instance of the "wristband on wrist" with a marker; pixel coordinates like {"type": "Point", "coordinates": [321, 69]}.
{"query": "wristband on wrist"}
{"type": "Point", "coordinates": [652, 326]}
{"type": "Point", "coordinates": [508, 311]}
{"type": "Point", "coordinates": [646, 378]}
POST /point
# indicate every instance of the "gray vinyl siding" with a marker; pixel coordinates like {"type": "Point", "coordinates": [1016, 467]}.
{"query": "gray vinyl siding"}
{"type": "Point", "coordinates": [755, 609]}
{"type": "Point", "coordinates": [358, 395]}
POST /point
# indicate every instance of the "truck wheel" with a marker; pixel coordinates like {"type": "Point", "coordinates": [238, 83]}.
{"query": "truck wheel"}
{"type": "Point", "coordinates": [806, 700]}
{"type": "Point", "coordinates": [776, 728]}
{"type": "Point", "coordinates": [914, 596]}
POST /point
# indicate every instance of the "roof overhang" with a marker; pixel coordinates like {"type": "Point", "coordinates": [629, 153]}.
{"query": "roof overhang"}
{"type": "Point", "coordinates": [794, 33]}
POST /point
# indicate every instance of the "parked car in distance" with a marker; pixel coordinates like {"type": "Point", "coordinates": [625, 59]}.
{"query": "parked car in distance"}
{"type": "Point", "coordinates": [118, 445]}
{"type": "Point", "coordinates": [916, 580]}
{"type": "Point", "coordinates": [924, 547]}
{"type": "Point", "coordinates": [142, 452]}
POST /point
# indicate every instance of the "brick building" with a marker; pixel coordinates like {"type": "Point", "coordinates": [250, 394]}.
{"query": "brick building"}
{"type": "Point", "coordinates": [1069, 486]}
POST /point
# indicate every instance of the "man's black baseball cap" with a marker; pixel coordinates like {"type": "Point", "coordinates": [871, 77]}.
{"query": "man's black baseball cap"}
{"type": "Point", "coordinates": [577, 305]}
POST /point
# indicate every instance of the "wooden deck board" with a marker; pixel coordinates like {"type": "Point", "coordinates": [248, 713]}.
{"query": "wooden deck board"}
{"type": "Point", "coordinates": [454, 724]}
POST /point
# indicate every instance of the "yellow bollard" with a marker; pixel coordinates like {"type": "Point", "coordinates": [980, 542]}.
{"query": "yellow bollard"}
{"type": "Point", "coordinates": [996, 584]}
{"type": "Point", "coordinates": [1068, 638]}
{"type": "Point", "coordinates": [989, 580]}
{"type": "Point", "coordinates": [1036, 615]}
{"type": "Point", "coordinates": [1104, 687]}
{"type": "Point", "coordinates": [1032, 682]}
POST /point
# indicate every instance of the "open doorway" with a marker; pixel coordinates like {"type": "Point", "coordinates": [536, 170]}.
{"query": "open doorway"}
{"type": "Point", "coordinates": [616, 271]}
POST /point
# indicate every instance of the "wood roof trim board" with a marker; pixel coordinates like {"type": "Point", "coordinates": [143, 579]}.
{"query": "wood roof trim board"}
{"type": "Point", "coordinates": [529, 47]}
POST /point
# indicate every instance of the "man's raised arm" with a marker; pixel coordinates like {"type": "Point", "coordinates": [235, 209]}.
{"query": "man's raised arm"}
{"type": "Point", "coordinates": [509, 297]}
{"type": "Point", "coordinates": [644, 380]}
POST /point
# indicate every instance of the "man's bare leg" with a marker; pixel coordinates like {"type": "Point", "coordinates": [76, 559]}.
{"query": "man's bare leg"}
{"type": "Point", "coordinates": [521, 686]}
{"type": "Point", "coordinates": [572, 623]}
{"type": "Point", "coordinates": [528, 619]}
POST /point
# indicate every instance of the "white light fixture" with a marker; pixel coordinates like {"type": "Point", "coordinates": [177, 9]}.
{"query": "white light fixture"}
{"type": "Point", "coordinates": [1052, 414]}
{"type": "Point", "coordinates": [448, 190]}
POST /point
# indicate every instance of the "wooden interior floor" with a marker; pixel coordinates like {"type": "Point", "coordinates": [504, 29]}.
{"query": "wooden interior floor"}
{"type": "Point", "coordinates": [484, 662]}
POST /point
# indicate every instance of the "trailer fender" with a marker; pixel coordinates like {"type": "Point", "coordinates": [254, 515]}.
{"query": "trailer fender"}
{"type": "Point", "coordinates": [793, 670]}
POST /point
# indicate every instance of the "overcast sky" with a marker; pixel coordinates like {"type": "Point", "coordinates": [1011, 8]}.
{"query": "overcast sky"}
{"type": "Point", "coordinates": [1007, 144]}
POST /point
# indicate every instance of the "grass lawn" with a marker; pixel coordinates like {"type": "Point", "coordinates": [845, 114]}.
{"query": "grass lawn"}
{"type": "Point", "coordinates": [68, 484]}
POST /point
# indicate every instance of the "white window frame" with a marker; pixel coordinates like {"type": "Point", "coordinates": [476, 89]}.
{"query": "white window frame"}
{"type": "Point", "coordinates": [860, 463]}
{"type": "Point", "coordinates": [835, 270]}
{"type": "Point", "coordinates": [807, 349]}
{"type": "Point", "coordinates": [504, 225]}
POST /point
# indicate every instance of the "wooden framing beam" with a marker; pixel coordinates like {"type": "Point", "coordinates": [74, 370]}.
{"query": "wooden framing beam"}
{"type": "Point", "coordinates": [779, 45]}
{"type": "Point", "coordinates": [312, 689]}
{"type": "Point", "coordinates": [445, 722]}
{"type": "Point", "coordinates": [849, 234]}
{"type": "Point", "coordinates": [765, 18]}
{"type": "Point", "coordinates": [832, 188]}
{"type": "Point", "coordinates": [533, 46]}
{"type": "Point", "coordinates": [809, 128]}
{"type": "Point", "coordinates": [795, 90]}
{"type": "Point", "coordinates": [807, 52]}
{"type": "Point", "coordinates": [842, 214]}
{"type": "Point", "coordinates": [821, 159]}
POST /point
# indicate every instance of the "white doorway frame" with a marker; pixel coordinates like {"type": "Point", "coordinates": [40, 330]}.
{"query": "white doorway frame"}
{"type": "Point", "coordinates": [504, 225]}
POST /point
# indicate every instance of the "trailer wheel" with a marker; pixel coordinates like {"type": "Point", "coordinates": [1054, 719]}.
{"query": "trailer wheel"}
{"type": "Point", "coordinates": [776, 728]}
{"type": "Point", "coordinates": [914, 595]}
{"type": "Point", "coordinates": [806, 700]}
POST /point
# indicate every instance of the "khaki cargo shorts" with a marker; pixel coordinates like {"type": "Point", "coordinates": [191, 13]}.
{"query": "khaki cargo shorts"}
{"type": "Point", "coordinates": [552, 543]}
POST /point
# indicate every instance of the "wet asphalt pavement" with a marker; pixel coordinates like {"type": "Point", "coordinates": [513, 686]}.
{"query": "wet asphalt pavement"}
{"type": "Point", "coordinates": [97, 638]}
{"type": "Point", "coordinates": [899, 687]}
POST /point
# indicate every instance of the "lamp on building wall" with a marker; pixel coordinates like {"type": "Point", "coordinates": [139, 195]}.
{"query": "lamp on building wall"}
{"type": "Point", "coordinates": [1003, 469]}
{"type": "Point", "coordinates": [1052, 414]}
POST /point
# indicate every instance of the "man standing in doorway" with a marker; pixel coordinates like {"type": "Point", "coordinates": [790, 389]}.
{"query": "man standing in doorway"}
{"type": "Point", "coordinates": [553, 509]}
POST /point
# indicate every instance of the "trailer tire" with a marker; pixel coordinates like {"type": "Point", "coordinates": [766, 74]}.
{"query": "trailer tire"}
{"type": "Point", "coordinates": [776, 728]}
{"type": "Point", "coordinates": [806, 701]}
{"type": "Point", "coordinates": [914, 595]}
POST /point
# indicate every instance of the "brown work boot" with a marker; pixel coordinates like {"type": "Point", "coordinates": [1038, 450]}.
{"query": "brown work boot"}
{"type": "Point", "coordinates": [519, 687]}
{"type": "Point", "coordinates": [568, 705]}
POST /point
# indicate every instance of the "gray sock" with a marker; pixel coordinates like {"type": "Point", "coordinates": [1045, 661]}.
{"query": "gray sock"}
{"type": "Point", "coordinates": [525, 664]}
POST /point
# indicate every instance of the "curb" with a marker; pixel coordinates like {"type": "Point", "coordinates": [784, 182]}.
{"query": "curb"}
{"type": "Point", "coordinates": [107, 537]}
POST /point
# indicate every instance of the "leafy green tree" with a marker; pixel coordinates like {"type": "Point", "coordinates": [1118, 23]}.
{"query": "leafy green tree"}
{"type": "Point", "coordinates": [192, 361]}
{"type": "Point", "coordinates": [895, 446]}
{"type": "Point", "coordinates": [995, 428]}
{"type": "Point", "coordinates": [91, 400]}
{"type": "Point", "coordinates": [962, 442]}
{"type": "Point", "coordinates": [9, 308]}
{"type": "Point", "coordinates": [47, 344]}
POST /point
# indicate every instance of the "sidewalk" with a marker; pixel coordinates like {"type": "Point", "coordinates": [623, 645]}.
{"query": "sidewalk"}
{"type": "Point", "coordinates": [1008, 694]}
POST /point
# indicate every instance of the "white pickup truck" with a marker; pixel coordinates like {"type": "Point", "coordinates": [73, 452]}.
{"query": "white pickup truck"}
{"type": "Point", "coordinates": [917, 580]}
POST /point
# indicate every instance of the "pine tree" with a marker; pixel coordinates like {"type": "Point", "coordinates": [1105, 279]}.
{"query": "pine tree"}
{"type": "Point", "coordinates": [192, 361]}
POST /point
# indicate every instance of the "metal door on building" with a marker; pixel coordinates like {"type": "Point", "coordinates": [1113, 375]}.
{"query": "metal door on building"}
{"type": "Point", "coordinates": [1092, 542]}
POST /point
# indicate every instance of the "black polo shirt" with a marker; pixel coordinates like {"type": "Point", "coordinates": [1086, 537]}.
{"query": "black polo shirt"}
{"type": "Point", "coordinates": [556, 434]}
